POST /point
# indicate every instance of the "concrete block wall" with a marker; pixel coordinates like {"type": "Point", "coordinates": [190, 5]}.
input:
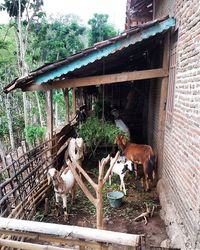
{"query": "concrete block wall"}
{"type": "Point", "coordinates": [181, 169]}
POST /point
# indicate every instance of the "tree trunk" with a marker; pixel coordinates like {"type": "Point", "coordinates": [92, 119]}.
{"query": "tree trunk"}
{"type": "Point", "coordinates": [73, 102]}
{"type": "Point", "coordinates": [39, 109]}
{"type": "Point", "coordinates": [99, 208]}
{"type": "Point", "coordinates": [49, 114]}
{"type": "Point", "coordinates": [56, 112]}
{"type": "Point", "coordinates": [2, 154]}
{"type": "Point", "coordinates": [66, 98]}
{"type": "Point", "coordinates": [22, 65]}
{"type": "Point", "coordinates": [10, 126]}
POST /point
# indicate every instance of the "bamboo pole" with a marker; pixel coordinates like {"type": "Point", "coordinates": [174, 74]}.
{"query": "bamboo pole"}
{"type": "Point", "coordinates": [71, 231]}
{"type": "Point", "coordinates": [52, 239]}
{"type": "Point", "coordinates": [29, 246]}
{"type": "Point", "coordinates": [81, 183]}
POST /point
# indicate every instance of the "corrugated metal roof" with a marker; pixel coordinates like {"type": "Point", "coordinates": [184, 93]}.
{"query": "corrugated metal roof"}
{"type": "Point", "coordinates": [55, 70]}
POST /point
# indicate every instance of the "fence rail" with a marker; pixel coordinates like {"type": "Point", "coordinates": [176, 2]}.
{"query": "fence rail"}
{"type": "Point", "coordinates": [66, 235]}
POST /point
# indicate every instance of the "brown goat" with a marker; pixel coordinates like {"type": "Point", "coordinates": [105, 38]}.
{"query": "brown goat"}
{"type": "Point", "coordinates": [139, 154]}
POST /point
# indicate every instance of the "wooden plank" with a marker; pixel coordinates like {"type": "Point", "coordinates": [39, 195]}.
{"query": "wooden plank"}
{"type": "Point", "coordinates": [71, 231]}
{"type": "Point", "coordinates": [163, 100]}
{"type": "Point", "coordinates": [101, 79]}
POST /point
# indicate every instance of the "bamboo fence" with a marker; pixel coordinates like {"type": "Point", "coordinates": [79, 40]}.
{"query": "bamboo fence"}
{"type": "Point", "coordinates": [23, 185]}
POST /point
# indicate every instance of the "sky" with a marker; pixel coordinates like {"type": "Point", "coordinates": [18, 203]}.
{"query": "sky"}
{"type": "Point", "coordinates": [85, 9]}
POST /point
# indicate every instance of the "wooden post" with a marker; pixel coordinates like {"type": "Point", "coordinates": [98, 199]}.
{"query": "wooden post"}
{"type": "Point", "coordinates": [73, 101]}
{"type": "Point", "coordinates": [99, 206]}
{"type": "Point", "coordinates": [98, 201]}
{"type": "Point", "coordinates": [163, 100]}
{"type": "Point", "coordinates": [49, 114]}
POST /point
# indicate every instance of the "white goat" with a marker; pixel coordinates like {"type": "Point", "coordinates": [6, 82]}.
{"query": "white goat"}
{"type": "Point", "coordinates": [75, 150]}
{"type": "Point", "coordinates": [120, 167]}
{"type": "Point", "coordinates": [63, 183]}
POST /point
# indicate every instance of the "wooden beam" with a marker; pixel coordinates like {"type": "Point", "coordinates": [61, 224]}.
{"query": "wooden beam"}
{"type": "Point", "coordinates": [163, 101]}
{"type": "Point", "coordinates": [73, 232]}
{"type": "Point", "coordinates": [100, 79]}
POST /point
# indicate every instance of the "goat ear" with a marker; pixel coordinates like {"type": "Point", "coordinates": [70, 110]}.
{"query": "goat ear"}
{"type": "Point", "coordinates": [48, 179]}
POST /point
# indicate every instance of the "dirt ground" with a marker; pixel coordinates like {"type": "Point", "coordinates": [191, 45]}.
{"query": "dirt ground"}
{"type": "Point", "coordinates": [121, 219]}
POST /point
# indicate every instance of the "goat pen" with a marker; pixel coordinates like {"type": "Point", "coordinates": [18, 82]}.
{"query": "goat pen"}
{"type": "Point", "coordinates": [23, 185]}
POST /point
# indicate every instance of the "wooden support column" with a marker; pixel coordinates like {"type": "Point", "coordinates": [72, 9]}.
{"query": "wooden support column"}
{"type": "Point", "coordinates": [73, 102]}
{"type": "Point", "coordinates": [163, 100]}
{"type": "Point", "coordinates": [49, 114]}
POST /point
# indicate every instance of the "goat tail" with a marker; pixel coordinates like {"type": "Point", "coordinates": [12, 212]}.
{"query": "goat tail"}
{"type": "Point", "coordinates": [152, 165]}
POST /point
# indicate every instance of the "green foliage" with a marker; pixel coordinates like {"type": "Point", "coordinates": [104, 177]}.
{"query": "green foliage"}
{"type": "Point", "coordinates": [100, 29]}
{"type": "Point", "coordinates": [34, 134]}
{"type": "Point", "coordinates": [55, 39]}
{"type": "Point", "coordinates": [98, 109]}
{"type": "Point", "coordinates": [12, 7]}
{"type": "Point", "coordinates": [58, 98]}
{"type": "Point", "coordinates": [8, 60]}
{"type": "Point", "coordinates": [95, 132]}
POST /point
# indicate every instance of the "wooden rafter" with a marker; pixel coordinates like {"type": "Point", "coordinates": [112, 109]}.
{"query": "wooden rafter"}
{"type": "Point", "coordinates": [100, 79]}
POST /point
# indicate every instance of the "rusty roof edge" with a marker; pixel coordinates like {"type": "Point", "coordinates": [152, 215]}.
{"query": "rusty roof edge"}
{"type": "Point", "coordinates": [105, 51]}
{"type": "Point", "coordinates": [162, 24]}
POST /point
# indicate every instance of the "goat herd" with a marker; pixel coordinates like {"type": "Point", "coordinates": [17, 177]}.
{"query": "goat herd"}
{"type": "Point", "coordinates": [134, 157]}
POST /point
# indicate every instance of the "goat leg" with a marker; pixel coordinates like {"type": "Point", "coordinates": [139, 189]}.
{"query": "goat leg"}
{"type": "Point", "coordinates": [64, 197]}
{"type": "Point", "coordinates": [57, 204]}
{"type": "Point", "coordinates": [152, 211]}
{"type": "Point", "coordinates": [65, 214]}
{"type": "Point", "coordinates": [122, 184]}
{"type": "Point", "coordinates": [57, 209]}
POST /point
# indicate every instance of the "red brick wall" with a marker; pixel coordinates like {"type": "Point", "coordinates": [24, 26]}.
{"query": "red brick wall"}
{"type": "Point", "coordinates": [181, 168]}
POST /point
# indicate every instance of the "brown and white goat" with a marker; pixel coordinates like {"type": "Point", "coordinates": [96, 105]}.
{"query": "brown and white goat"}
{"type": "Point", "coordinates": [63, 183]}
{"type": "Point", "coordinates": [139, 154]}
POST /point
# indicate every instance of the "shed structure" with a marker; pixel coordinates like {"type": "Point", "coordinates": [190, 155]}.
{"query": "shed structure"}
{"type": "Point", "coordinates": [168, 91]}
{"type": "Point", "coordinates": [129, 66]}
{"type": "Point", "coordinates": [132, 71]}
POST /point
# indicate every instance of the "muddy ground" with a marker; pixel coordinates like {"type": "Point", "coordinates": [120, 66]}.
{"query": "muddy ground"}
{"type": "Point", "coordinates": [121, 219]}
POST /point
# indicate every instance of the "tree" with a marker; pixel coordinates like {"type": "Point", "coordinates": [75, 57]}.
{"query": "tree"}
{"type": "Point", "coordinates": [22, 14]}
{"type": "Point", "coordinates": [100, 29]}
{"type": "Point", "coordinates": [55, 38]}
{"type": "Point", "coordinates": [8, 66]}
